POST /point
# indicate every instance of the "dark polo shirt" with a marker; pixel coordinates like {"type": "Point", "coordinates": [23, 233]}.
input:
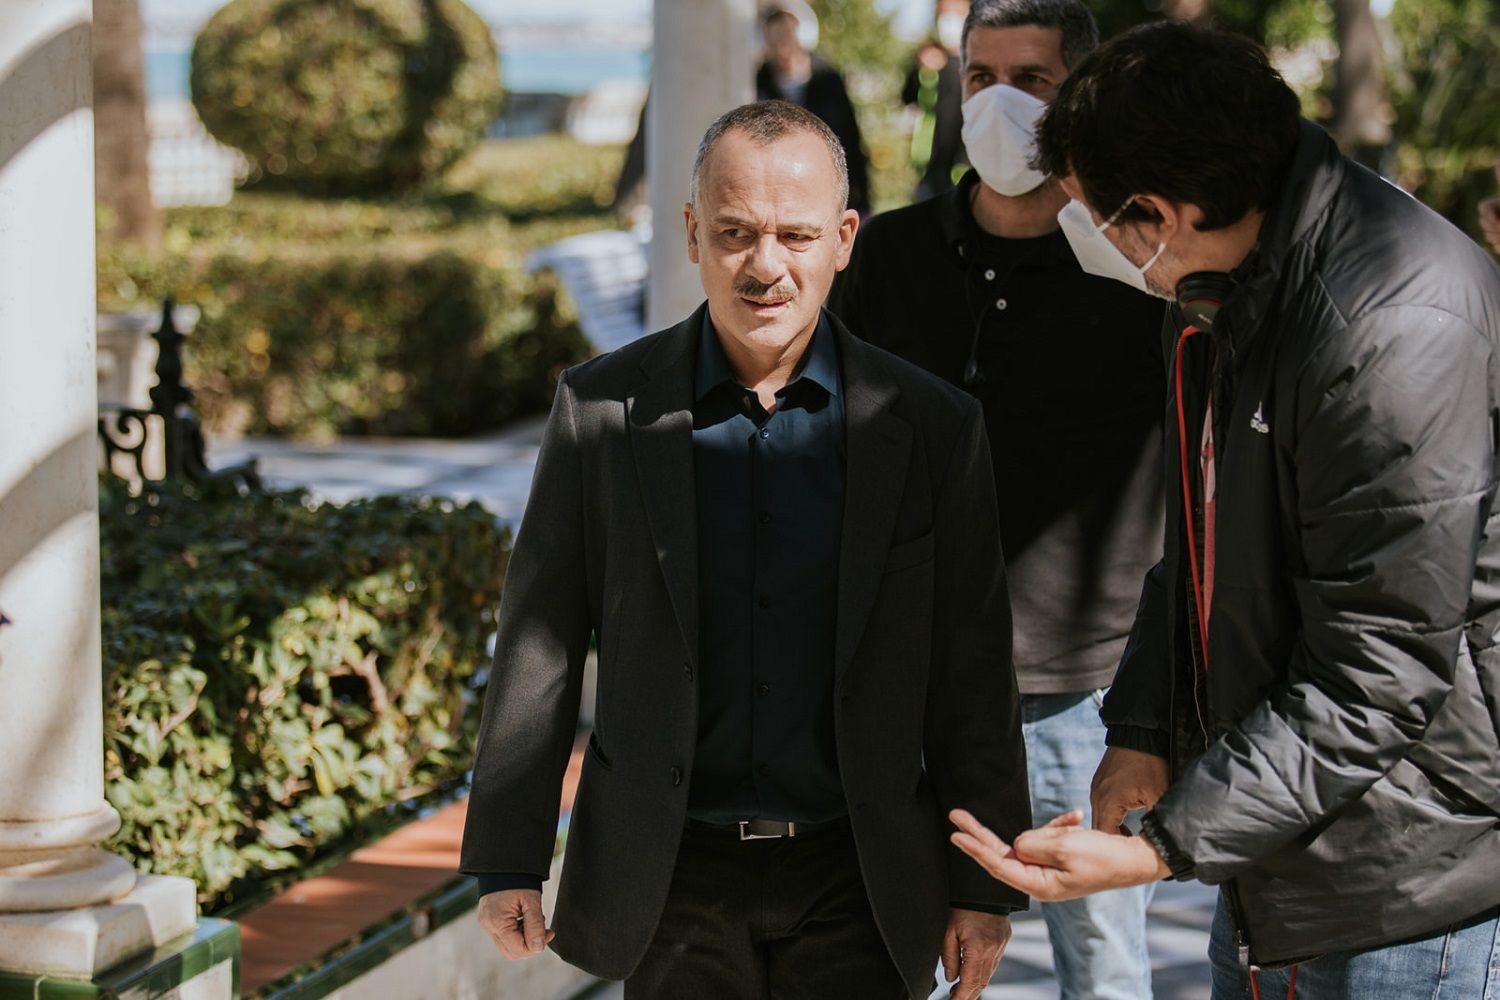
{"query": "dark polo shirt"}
{"type": "Point", "coordinates": [770, 490]}
{"type": "Point", "coordinates": [1071, 378]}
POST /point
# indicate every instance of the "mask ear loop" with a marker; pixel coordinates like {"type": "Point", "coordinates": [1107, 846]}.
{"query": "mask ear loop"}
{"type": "Point", "coordinates": [1160, 247]}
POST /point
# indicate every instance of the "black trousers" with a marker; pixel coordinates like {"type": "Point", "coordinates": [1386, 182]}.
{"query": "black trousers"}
{"type": "Point", "coordinates": [767, 920]}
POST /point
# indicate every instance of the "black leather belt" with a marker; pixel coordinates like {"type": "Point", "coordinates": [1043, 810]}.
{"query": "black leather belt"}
{"type": "Point", "coordinates": [766, 829]}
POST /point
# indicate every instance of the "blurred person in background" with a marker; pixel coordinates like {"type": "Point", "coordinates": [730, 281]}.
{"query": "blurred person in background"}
{"type": "Point", "coordinates": [979, 286]}
{"type": "Point", "coordinates": [933, 92]}
{"type": "Point", "coordinates": [1489, 217]}
{"type": "Point", "coordinates": [792, 72]}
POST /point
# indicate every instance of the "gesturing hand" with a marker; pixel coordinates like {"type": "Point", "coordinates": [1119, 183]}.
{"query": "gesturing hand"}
{"type": "Point", "coordinates": [1060, 860]}
{"type": "Point", "coordinates": [513, 920]}
{"type": "Point", "coordinates": [971, 950]}
{"type": "Point", "coordinates": [1125, 780]}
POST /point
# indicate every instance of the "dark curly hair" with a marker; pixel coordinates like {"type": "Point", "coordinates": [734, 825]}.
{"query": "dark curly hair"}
{"type": "Point", "coordinates": [1192, 114]}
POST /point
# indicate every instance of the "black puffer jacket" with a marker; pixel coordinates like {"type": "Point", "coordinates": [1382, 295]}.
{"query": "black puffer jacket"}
{"type": "Point", "coordinates": [1338, 761]}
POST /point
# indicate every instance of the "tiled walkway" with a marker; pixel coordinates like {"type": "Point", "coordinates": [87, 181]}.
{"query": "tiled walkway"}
{"type": "Point", "coordinates": [496, 471]}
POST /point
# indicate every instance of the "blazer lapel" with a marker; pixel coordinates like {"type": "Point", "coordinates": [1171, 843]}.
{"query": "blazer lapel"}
{"type": "Point", "coordinates": [661, 434]}
{"type": "Point", "coordinates": [878, 448]}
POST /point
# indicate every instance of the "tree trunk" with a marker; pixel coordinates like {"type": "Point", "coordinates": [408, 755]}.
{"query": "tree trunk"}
{"type": "Point", "coordinates": [1361, 116]}
{"type": "Point", "coordinates": [122, 182]}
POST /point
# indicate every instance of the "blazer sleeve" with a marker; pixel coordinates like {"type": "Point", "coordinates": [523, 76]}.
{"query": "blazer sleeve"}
{"type": "Point", "coordinates": [530, 714]}
{"type": "Point", "coordinates": [1394, 466]}
{"type": "Point", "coordinates": [974, 753]}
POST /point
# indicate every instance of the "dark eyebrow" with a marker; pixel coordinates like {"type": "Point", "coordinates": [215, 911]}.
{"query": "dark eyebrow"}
{"type": "Point", "coordinates": [1036, 68]}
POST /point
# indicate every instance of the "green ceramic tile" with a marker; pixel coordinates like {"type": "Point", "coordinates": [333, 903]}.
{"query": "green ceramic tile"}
{"type": "Point", "coordinates": [144, 978]}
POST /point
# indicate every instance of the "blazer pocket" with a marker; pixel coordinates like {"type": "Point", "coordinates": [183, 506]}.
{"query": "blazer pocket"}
{"type": "Point", "coordinates": [597, 749]}
{"type": "Point", "coordinates": [909, 554]}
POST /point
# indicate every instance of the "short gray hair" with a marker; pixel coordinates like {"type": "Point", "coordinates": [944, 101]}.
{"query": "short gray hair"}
{"type": "Point", "coordinates": [765, 122]}
{"type": "Point", "coordinates": [1080, 32]}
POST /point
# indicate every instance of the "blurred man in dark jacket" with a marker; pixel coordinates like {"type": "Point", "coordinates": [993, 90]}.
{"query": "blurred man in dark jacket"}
{"type": "Point", "coordinates": [1311, 699]}
{"type": "Point", "coordinates": [934, 90]}
{"type": "Point", "coordinates": [792, 73]}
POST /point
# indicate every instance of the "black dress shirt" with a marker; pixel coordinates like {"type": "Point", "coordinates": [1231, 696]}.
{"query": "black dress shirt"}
{"type": "Point", "coordinates": [770, 490]}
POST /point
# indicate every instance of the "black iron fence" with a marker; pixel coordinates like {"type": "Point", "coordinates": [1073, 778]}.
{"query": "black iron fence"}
{"type": "Point", "coordinates": [133, 433]}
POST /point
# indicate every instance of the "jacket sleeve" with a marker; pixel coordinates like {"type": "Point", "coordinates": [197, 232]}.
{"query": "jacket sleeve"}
{"type": "Point", "coordinates": [974, 752]}
{"type": "Point", "coordinates": [531, 702]}
{"type": "Point", "coordinates": [1393, 462]}
{"type": "Point", "coordinates": [1137, 709]}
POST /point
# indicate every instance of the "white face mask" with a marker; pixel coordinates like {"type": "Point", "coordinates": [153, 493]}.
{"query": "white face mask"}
{"type": "Point", "coordinates": [1095, 253]}
{"type": "Point", "coordinates": [1000, 138]}
{"type": "Point", "coordinates": [950, 31]}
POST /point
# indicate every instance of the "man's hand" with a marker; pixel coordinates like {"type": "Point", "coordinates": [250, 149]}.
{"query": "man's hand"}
{"type": "Point", "coordinates": [1060, 860]}
{"type": "Point", "coordinates": [971, 950]}
{"type": "Point", "coordinates": [513, 920]}
{"type": "Point", "coordinates": [1125, 780]}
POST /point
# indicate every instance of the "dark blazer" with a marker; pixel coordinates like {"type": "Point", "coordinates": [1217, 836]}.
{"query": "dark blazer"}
{"type": "Point", "coordinates": [926, 712]}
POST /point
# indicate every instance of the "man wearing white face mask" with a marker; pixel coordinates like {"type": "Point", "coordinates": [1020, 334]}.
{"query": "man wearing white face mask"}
{"type": "Point", "coordinates": [979, 286]}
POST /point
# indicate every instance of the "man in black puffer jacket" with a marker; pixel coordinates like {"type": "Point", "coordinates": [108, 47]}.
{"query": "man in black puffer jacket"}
{"type": "Point", "coordinates": [1310, 701]}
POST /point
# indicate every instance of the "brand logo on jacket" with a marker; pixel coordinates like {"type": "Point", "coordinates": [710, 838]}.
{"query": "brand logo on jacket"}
{"type": "Point", "coordinates": [1258, 421]}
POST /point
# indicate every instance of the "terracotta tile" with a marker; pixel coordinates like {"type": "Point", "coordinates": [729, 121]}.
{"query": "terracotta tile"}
{"type": "Point", "coordinates": [318, 914]}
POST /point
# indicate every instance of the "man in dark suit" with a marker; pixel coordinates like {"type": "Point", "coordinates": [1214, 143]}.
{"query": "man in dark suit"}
{"type": "Point", "coordinates": [786, 543]}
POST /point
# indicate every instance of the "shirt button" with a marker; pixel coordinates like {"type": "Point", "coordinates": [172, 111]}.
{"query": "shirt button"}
{"type": "Point", "coordinates": [687, 671]}
{"type": "Point", "coordinates": [763, 601]}
{"type": "Point", "coordinates": [1001, 304]}
{"type": "Point", "coordinates": [764, 433]}
{"type": "Point", "coordinates": [764, 689]}
{"type": "Point", "coordinates": [765, 517]}
{"type": "Point", "coordinates": [989, 274]}
{"type": "Point", "coordinates": [676, 776]}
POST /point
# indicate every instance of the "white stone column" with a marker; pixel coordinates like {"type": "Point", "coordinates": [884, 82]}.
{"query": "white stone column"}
{"type": "Point", "coordinates": [702, 55]}
{"type": "Point", "coordinates": [53, 815]}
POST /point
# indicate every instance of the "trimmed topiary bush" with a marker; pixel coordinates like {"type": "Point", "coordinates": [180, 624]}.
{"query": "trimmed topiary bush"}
{"type": "Point", "coordinates": [282, 677]}
{"type": "Point", "coordinates": [347, 96]}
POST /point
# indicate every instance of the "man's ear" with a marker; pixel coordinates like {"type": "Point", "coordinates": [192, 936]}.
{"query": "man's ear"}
{"type": "Point", "coordinates": [692, 231]}
{"type": "Point", "coordinates": [1167, 217]}
{"type": "Point", "coordinates": [848, 226]}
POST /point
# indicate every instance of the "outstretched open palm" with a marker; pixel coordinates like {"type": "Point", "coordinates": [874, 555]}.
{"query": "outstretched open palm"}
{"type": "Point", "coordinates": [1061, 860]}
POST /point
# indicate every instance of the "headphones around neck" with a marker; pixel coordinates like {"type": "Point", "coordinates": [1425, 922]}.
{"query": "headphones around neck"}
{"type": "Point", "coordinates": [1201, 294]}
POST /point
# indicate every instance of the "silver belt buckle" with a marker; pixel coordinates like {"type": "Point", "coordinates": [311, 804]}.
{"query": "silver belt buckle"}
{"type": "Point", "coordinates": [745, 834]}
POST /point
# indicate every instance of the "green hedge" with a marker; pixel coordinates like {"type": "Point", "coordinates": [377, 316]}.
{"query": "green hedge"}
{"type": "Point", "coordinates": [364, 321]}
{"type": "Point", "coordinates": [352, 96]}
{"type": "Point", "coordinates": [392, 316]}
{"type": "Point", "coordinates": [280, 676]}
{"type": "Point", "coordinates": [389, 340]}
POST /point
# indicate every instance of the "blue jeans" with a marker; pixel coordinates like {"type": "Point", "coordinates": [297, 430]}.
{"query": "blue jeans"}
{"type": "Point", "coordinates": [1099, 941]}
{"type": "Point", "coordinates": [1461, 962]}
